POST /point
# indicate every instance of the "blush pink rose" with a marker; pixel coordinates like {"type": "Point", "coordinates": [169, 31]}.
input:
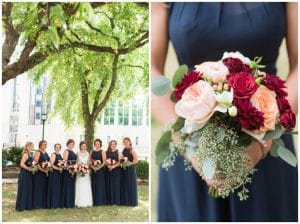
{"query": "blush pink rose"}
{"type": "Point", "coordinates": [215, 70]}
{"type": "Point", "coordinates": [197, 103]}
{"type": "Point", "coordinates": [264, 100]}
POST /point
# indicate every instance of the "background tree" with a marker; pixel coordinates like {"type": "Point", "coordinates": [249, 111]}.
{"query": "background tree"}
{"type": "Point", "coordinates": [91, 51]}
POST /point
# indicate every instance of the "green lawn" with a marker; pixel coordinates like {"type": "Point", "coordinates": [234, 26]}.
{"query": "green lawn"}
{"type": "Point", "coordinates": [94, 214]}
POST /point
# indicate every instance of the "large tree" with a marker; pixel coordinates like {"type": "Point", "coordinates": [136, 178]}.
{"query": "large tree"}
{"type": "Point", "coordinates": [91, 51]}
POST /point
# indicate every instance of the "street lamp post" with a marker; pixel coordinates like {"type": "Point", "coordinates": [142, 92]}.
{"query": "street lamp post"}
{"type": "Point", "coordinates": [44, 118]}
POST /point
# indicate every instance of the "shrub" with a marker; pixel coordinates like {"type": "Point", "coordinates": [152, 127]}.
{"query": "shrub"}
{"type": "Point", "coordinates": [142, 170]}
{"type": "Point", "coordinates": [12, 154]}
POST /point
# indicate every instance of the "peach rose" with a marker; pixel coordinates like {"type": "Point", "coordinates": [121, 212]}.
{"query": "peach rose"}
{"type": "Point", "coordinates": [215, 70]}
{"type": "Point", "coordinates": [197, 104]}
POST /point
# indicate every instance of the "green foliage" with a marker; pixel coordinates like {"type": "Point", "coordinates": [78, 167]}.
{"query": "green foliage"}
{"type": "Point", "coordinates": [142, 170]}
{"type": "Point", "coordinates": [274, 134]}
{"type": "Point", "coordinates": [160, 86]}
{"type": "Point", "coordinates": [162, 148]}
{"type": "Point", "coordinates": [278, 149]}
{"type": "Point", "coordinates": [180, 72]}
{"type": "Point", "coordinates": [13, 154]}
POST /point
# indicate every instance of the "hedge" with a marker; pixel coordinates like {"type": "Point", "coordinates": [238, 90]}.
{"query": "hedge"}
{"type": "Point", "coordinates": [13, 155]}
{"type": "Point", "coordinates": [142, 170]}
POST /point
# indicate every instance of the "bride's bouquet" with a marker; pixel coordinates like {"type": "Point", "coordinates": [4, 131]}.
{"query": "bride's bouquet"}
{"type": "Point", "coordinates": [83, 169]}
{"type": "Point", "coordinates": [223, 106]}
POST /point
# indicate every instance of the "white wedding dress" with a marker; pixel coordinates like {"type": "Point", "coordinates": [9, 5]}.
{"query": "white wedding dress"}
{"type": "Point", "coordinates": [83, 189]}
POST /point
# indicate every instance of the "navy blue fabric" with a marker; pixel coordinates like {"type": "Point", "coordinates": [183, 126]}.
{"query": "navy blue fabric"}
{"type": "Point", "coordinates": [129, 195]}
{"type": "Point", "coordinates": [40, 184]}
{"type": "Point", "coordinates": [98, 181]}
{"type": "Point", "coordinates": [113, 181]}
{"type": "Point", "coordinates": [202, 32]}
{"type": "Point", "coordinates": [54, 196]}
{"type": "Point", "coordinates": [25, 188]}
{"type": "Point", "coordinates": [68, 184]}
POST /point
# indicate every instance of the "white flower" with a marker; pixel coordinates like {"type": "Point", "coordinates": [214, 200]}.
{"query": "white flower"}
{"type": "Point", "coordinates": [237, 55]}
{"type": "Point", "coordinates": [225, 98]}
{"type": "Point", "coordinates": [232, 111]}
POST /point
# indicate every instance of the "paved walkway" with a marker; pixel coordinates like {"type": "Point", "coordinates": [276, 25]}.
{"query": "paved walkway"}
{"type": "Point", "coordinates": [9, 181]}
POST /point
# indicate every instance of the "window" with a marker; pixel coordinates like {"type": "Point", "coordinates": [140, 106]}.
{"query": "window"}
{"type": "Point", "coordinates": [109, 114]}
{"type": "Point", "coordinates": [123, 114]}
{"type": "Point", "coordinates": [137, 114]}
{"type": "Point", "coordinates": [37, 116]}
{"type": "Point", "coordinates": [38, 103]}
{"type": "Point", "coordinates": [136, 140]}
{"type": "Point", "coordinates": [39, 91]}
{"type": "Point", "coordinates": [108, 139]}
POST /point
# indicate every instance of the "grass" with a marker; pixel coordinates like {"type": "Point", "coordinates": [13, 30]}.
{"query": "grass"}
{"type": "Point", "coordinates": [93, 214]}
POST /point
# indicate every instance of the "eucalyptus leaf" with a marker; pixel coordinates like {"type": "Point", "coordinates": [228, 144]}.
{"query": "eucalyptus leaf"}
{"type": "Point", "coordinates": [178, 125]}
{"type": "Point", "coordinates": [208, 167]}
{"type": "Point", "coordinates": [172, 97]}
{"type": "Point", "coordinates": [162, 148]}
{"type": "Point", "coordinates": [287, 156]}
{"type": "Point", "coordinates": [190, 152]}
{"type": "Point", "coordinates": [160, 86]}
{"type": "Point", "coordinates": [274, 134]}
{"type": "Point", "coordinates": [180, 72]}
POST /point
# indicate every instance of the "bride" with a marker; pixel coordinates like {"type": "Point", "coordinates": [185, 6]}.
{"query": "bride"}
{"type": "Point", "coordinates": [83, 195]}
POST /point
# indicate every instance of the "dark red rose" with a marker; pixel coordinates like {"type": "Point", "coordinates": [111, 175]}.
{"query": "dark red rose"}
{"type": "Point", "coordinates": [283, 104]}
{"type": "Point", "coordinates": [189, 79]}
{"type": "Point", "coordinates": [243, 84]}
{"type": "Point", "coordinates": [249, 117]}
{"type": "Point", "coordinates": [235, 65]}
{"type": "Point", "coordinates": [288, 120]}
{"type": "Point", "coordinates": [275, 84]}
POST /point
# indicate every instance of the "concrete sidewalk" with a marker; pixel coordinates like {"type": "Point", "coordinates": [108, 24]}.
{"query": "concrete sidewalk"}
{"type": "Point", "coordinates": [9, 180]}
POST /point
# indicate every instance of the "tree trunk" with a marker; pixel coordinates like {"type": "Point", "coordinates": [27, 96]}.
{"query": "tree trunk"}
{"type": "Point", "coordinates": [89, 133]}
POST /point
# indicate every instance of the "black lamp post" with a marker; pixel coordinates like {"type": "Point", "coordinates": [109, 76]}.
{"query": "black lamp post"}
{"type": "Point", "coordinates": [44, 118]}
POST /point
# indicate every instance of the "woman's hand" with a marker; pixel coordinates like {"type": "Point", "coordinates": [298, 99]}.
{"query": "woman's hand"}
{"type": "Point", "coordinates": [257, 151]}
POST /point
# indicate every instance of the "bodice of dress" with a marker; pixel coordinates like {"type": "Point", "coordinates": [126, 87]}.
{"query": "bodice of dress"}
{"type": "Point", "coordinates": [126, 153]}
{"type": "Point", "coordinates": [83, 157]}
{"type": "Point", "coordinates": [97, 155]}
{"type": "Point", "coordinates": [43, 157]}
{"type": "Point", "coordinates": [58, 157]}
{"type": "Point", "coordinates": [112, 155]}
{"type": "Point", "coordinates": [71, 157]}
{"type": "Point", "coordinates": [28, 162]}
{"type": "Point", "coordinates": [203, 31]}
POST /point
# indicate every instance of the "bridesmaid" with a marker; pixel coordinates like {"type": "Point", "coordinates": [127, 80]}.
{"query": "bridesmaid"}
{"type": "Point", "coordinates": [41, 177]}
{"type": "Point", "coordinates": [129, 194]}
{"type": "Point", "coordinates": [98, 175]}
{"type": "Point", "coordinates": [68, 189]}
{"type": "Point", "coordinates": [55, 180]}
{"type": "Point", "coordinates": [113, 174]}
{"type": "Point", "coordinates": [25, 181]}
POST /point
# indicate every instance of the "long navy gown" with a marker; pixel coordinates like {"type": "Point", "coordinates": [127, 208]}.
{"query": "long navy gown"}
{"type": "Point", "coordinates": [113, 181]}
{"type": "Point", "coordinates": [68, 182]}
{"type": "Point", "coordinates": [40, 183]}
{"type": "Point", "coordinates": [25, 188]}
{"type": "Point", "coordinates": [54, 197]}
{"type": "Point", "coordinates": [129, 194]}
{"type": "Point", "coordinates": [201, 32]}
{"type": "Point", "coordinates": [98, 181]}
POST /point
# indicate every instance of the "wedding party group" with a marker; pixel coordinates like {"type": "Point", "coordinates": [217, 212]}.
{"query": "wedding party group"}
{"type": "Point", "coordinates": [77, 180]}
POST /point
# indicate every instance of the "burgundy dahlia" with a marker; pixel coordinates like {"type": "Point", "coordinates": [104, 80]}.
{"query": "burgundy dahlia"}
{"type": "Point", "coordinates": [288, 120]}
{"type": "Point", "coordinates": [249, 117]}
{"type": "Point", "coordinates": [283, 104]}
{"type": "Point", "coordinates": [243, 84]}
{"type": "Point", "coordinates": [235, 65]}
{"type": "Point", "coordinates": [189, 79]}
{"type": "Point", "coordinates": [276, 84]}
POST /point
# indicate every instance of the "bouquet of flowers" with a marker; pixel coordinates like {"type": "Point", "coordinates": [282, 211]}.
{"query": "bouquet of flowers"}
{"type": "Point", "coordinates": [63, 165]}
{"type": "Point", "coordinates": [33, 167]}
{"type": "Point", "coordinates": [223, 106]}
{"type": "Point", "coordinates": [111, 161]}
{"type": "Point", "coordinates": [46, 166]}
{"type": "Point", "coordinates": [97, 164]}
{"type": "Point", "coordinates": [73, 168]}
{"type": "Point", "coordinates": [83, 169]}
{"type": "Point", "coordinates": [124, 163]}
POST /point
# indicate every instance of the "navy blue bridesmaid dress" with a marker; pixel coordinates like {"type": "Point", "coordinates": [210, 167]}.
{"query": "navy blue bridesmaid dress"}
{"type": "Point", "coordinates": [202, 32]}
{"type": "Point", "coordinates": [98, 181]}
{"type": "Point", "coordinates": [54, 197]}
{"type": "Point", "coordinates": [113, 181]}
{"type": "Point", "coordinates": [68, 188]}
{"type": "Point", "coordinates": [25, 188]}
{"type": "Point", "coordinates": [40, 182]}
{"type": "Point", "coordinates": [129, 195]}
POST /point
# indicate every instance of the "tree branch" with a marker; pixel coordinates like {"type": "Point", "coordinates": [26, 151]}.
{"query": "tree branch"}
{"type": "Point", "coordinates": [84, 95]}
{"type": "Point", "coordinates": [133, 66]}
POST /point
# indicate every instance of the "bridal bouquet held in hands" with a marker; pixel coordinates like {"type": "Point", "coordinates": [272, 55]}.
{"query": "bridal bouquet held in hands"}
{"type": "Point", "coordinates": [222, 107]}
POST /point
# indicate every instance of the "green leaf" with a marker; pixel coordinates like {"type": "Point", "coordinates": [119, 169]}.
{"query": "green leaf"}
{"type": "Point", "coordinates": [162, 148]}
{"type": "Point", "coordinates": [274, 134]}
{"type": "Point", "coordinates": [220, 134]}
{"type": "Point", "coordinates": [160, 86]}
{"type": "Point", "coordinates": [180, 72]}
{"type": "Point", "coordinates": [287, 156]}
{"type": "Point", "coordinates": [172, 97]}
{"type": "Point", "coordinates": [178, 125]}
{"type": "Point", "coordinates": [208, 167]}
